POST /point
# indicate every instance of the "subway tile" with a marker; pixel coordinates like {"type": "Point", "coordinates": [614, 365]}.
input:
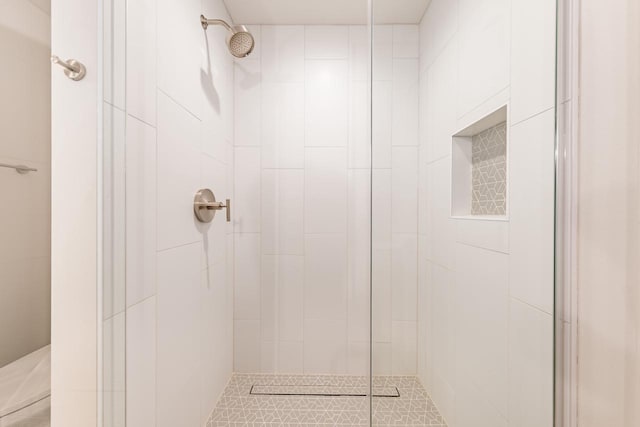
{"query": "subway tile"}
{"type": "Point", "coordinates": [283, 112]}
{"type": "Point", "coordinates": [439, 25]}
{"type": "Point", "coordinates": [530, 366]}
{"type": "Point", "coordinates": [533, 58]}
{"type": "Point", "coordinates": [381, 190]}
{"type": "Point", "coordinates": [406, 41]}
{"type": "Point", "coordinates": [141, 223]}
{"type": "Point", "coordinates": [247, 102]}
{"type": "Point", "coordinates": [326, 190]}
{"type": "Point", "coordinates": [283, 53]}
{"type": "Point", "coordinates": [441, 108]}
{"type": "Point", "coordinates": [290, 357]}
{"type": "Point", "coordinates": [404, 273]}
{"type": "Point", "coordinates": [484, 38]}
{"type": "Point", "coordinates": [404, 190]}
{"type": "Point", "coordinates": [403, 348]}
{"type": "Point", "coordinates": [481, 295]}
{"type": "Point", "coordinates": [178, 176]}
{"type": "Point", "coordinates": [246, 206]}
{"type": "Point", "coordinates": [358, 53]}
{"type": "Point", "coordinates": [381, 358]}
{"type": "Point", "coordinates": [325, 286]}
{"type": "Point", "coordinates": [382, 53]}
{"type": "Point", "coordinates": [246, 348]}
{"type": "Point", "coordinates": [115, 56]}
{"type": "Point", "coordinates": [381, 306]}
{"type": "Point", "coordinates": [531, 211]}
{"type": "Point", "coordinates": [141, 364]}
{"type": "Point", "coordinates": [359, 126]}
{"type": "Point", "coordinates": [178, 338]}
{"type": "Point", "coordinates": [283, 211]}
{"type": "Point", "coordinates": [326, 41]}
{"type": "Point", "coordinates": [180, 45]}
{"type": "Point", "coordinates": [359, 254]}
{"type": "Point", "coordinates": [325, 346]}
{"type": "Point", "coordinates": [115, 290]}
{"type": "Point", "coordinates": [141, 51]}
{"type": "Point", "coordinates": [405, 102]}
{"type": "Point", "coordinates": [381, 124]}
{"type": "Point", "coordinates": [326, 103]}
{"type": "Point", "coordinates": [247, 276]}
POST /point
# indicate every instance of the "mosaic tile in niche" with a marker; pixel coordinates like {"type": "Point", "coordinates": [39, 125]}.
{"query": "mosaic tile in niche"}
{"type": "Point", "coordinates": [489, 171]}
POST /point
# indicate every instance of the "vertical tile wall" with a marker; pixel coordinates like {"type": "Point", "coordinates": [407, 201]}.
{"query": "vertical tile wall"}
{"type": "Point", "coordinates": [302, 180]}
{"type": "Point", "coordinates": [485, 293]}
{"type": "Point", "coordinates": [169, 101]}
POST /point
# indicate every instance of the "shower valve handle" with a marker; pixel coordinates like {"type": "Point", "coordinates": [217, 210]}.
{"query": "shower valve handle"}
{"type": "Point", "coordinates": [205, 206]}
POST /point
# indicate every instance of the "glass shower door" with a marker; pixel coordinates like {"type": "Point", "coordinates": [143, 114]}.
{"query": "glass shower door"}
{"type": "Point", "coordinates": [463, 110]}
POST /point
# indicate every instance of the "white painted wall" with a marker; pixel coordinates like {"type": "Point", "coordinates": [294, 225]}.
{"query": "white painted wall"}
{"type": "Point", "coordinates": [485, 293]}
{"type": "Point", "coordinates": [302, 210]}
{"type": "Point", "coordinates": [25, 229]}
{"type": "Point", "coordinates": [74, 217]}
{"type": "Point", "coordinates": [169, 109]}
{"type": "Point", "coordinates": [608, 371]}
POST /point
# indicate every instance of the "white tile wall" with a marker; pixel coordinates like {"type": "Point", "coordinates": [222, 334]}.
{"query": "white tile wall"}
{"type": "Point", "coordinates": [482, 304]}
{"type": "Point", "coordinates": [325, 292]}
{"type": "Point", "coordinates": [312, 198]}
{"type": "Point", "coordinates": [404, 190]}
{"type": "Point", "coordinates": [531, 162]}
{"type": "Point", "coordinates": [247, 102]}
{"type": "Point", "coordinates": [247, 190]}
{"type": "Point", "coordinates": [141, 364]}
{"type": "Point", "coordinates": [532, 58]}
{"type": "Point", "coordinates": [178, 173]}
{"type": "Point", "coordinates": [405, 102]}
{"type": "Point", "coordinates": [404, 274]}
{"type": "Point", "coordinates": [484, 287]}
{"type": "Point", "coordinates": [283, 53]}
{"type": "Point", "coordinates": [180, 53]}
{"type": "Point", "coordinates": [282, 135]}
{"type": "Point", "coordinates": [141, 48]}
{"type": "Point", "coordinates": [326, 102]}
{"type": "Point", "coordinates": [530, 366]}
{"type": "Point", "coordinates": [283, 211]}
{"type": "Point", "coordinates": [141, 228]}
{"type": "Point", "coordinates": [484, 37]}
{"type": "Point", "coordinates": [246, 299]}
{"type": "Point", "coordinates": [178, 345]}
{"type": "Point", "coordinates": [325, 346]}
{"type": "Point", "coordinates": [179, 138]}
{"type": "Point", "coordinates": [326, 190]}
{"type": "Point", "coordinates": [326, 41]}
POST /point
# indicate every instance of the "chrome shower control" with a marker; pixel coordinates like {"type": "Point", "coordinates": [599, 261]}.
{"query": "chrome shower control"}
{"type": "Point", "coordinates": [205, 206]}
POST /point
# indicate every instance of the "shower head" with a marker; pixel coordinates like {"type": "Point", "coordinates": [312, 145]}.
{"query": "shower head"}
{"type": "Point", "coordinates": [240, 42]}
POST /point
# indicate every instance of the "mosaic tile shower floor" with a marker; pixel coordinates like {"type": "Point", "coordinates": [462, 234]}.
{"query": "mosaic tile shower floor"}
{"type": "Point", "coordinates": [237, 407]}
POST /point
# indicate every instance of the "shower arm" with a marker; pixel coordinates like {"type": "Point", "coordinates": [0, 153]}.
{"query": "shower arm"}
{"type": "Point", "coordinates": [206, 22]}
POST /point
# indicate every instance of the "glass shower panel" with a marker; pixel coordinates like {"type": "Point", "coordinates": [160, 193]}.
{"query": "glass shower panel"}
{"type": "Point", "coordinates": [272, 305]}
{"type": "Point", "coordinates": [463, 108]}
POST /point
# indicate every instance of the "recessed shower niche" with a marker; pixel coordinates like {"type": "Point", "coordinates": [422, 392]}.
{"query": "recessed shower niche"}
{"type": "Point", "coordinates": [479, 168]}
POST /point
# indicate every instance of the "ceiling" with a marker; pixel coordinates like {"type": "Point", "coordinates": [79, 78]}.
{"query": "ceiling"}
{"type": "Point", "coordinates": [287, 12]}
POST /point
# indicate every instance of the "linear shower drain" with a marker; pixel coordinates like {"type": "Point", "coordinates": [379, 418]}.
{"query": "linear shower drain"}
{"type": "Point", "coordinates": [322, 390]}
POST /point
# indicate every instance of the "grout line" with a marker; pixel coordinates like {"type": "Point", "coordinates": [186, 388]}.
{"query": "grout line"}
{"type": "Point", "coordinates": [175, 101]}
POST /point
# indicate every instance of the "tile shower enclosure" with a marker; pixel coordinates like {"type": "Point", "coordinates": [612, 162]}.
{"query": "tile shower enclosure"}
{"type": "Point", "coordinates": [283, 133]}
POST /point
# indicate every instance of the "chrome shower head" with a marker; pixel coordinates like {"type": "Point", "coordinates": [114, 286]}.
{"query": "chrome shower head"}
{"type": "Point", "coordinates": [240, 42]}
